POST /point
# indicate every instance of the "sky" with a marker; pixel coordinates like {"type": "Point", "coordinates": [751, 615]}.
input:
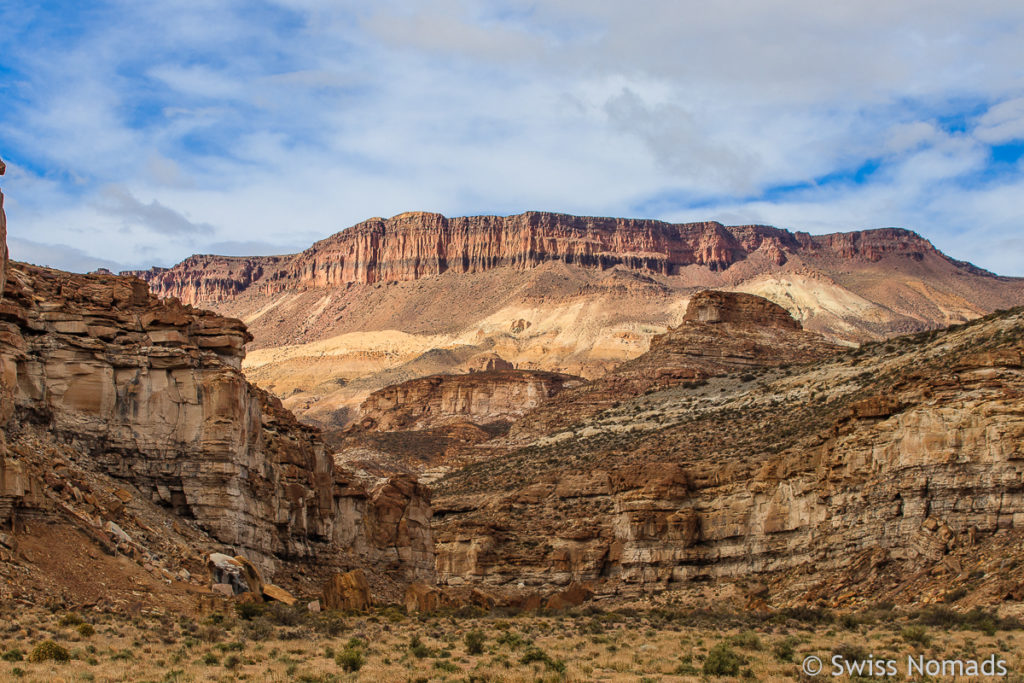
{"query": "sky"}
{"type": "Point", "coordinates": [139, 133]}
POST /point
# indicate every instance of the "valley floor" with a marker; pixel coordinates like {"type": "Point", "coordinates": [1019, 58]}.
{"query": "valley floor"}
{"type": "Point", "coordinates": [664, 643]}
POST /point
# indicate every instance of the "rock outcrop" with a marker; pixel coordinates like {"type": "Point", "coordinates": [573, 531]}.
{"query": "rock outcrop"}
{"type": "Point", "coordinates": [150, 392]}
{"type": "Point", "coordinates": [415, 245]}
{"type": "Point", "coordinates": [478, 397]}
{"type": "Point", "coordinates": [712, 306]}
{"type": "Point", "coordinates": [721, 333]}
{"type": "Point", "coordinates": [875, 474]}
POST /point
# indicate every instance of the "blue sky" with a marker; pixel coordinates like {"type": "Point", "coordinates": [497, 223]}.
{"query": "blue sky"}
{"type": "Point", "coordinates": [137, 134]}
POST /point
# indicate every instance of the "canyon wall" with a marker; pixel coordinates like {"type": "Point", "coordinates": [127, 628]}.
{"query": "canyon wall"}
{"type": "Point", "coordinates": [415, 245]}
{"type": "Point", "coordinates": [848, 477]}
{"type": "Point", "coordinates": [150, 391]}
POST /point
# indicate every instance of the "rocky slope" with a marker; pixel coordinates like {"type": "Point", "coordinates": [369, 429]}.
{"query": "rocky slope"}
{"type": "Point", "coordinates": [878, 473]}
{"type": "Point", "coordinates": [373, 305]}
{"type": "Point", "coordinates": [130, 392]}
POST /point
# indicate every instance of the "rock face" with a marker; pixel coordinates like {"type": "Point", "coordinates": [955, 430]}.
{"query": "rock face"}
{"type": "Point", "coordinates": [478, 397]}
{"type": "Point", "coordinates": [864, 475]}
{"type": "Point", "coordinates": [712, 306]}
{"type": "Point", "coordinates": [721, 332]}
{"type": "Point", "coordinates": [373, 306]}
{"type": "Point", "coordinates": [415, 245]}
{"type": "Point", "coordinates": [150, 392]}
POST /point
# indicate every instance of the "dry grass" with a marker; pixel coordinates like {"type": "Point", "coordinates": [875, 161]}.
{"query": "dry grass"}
{"type": "Point", "coordinates": [277, 644]}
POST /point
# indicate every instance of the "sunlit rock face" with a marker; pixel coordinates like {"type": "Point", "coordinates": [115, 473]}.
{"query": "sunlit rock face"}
{"type": "Point", "coordinates": [151, 391]}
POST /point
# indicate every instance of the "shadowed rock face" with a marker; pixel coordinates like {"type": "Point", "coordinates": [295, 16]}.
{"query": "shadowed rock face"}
{"type": "Point", "coordinates": [712, 306]}
{"type": "Point", "coordinates": [414, 245]}
{"type": "Point", "coordinates": [151, 392]}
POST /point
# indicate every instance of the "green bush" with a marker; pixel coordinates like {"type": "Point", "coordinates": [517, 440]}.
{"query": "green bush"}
{"type": "Point", "coordinates": [350, 659]}
{"type": "Point", "coordinates": [535, 654]}
{"type": "Point", "coordinates": [48, 651]}
{"type": "Point", "coordinates": [747, 640]}
{"type": "Point", "coordinates": [916, 635]}
{"type": "Point", "coordinates": [86, 630]}
{"type": "Point", "coordinates": [418, 649]}
{"type": "Point", "coordinates": [70, 619]}
{"type": "Point", "coordinates": [475, 642]}
{"type": "Point", "coordinates": [722, 661]}
{"type": "Point", "coordinates": [785, 649]}
{"type": "Point", "coordinates": [13, 655]}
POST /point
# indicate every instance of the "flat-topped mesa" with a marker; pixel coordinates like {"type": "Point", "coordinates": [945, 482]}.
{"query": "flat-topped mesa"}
{"type": "Point", "coordinates": [415, 245]}
{"type": "Point", "coordinates": [711, 306]}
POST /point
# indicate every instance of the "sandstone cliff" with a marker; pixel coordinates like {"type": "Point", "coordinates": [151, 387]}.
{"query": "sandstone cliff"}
{"type": "Point", "coordinates": [390, 300]}
{"type": "Point", "coordinates": [479, 397]}
{"type": "Point", "coordinates": [882, 473]}
{"type": "Point", "coordinates": [416, 245]}
{"type": "Point", "coordinates": [149, 393]}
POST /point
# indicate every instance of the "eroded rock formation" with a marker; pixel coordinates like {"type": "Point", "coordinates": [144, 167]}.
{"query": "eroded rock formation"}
{"type": "Point", "coordinates": [864, 476]}
{"type": "Point", "coordinates": [150, 391]}
{"type": "Point", "coordinates": [414, 245]}
{"type": "Point", "coordinates": [478, 397]}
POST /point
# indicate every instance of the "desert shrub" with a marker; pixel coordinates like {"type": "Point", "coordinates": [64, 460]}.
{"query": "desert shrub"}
{"type": "Point", "coordinates": [13, 655]}
{"type": "Point", "coordinates": [851, 653]}
{"type": "Point", "coordinates": [475, 642]}
{"type": "Point", "coordinates": [282, 614]}
{"type": "Point", "coordinates": [86, 630]}
{"type": "Point", "coordinates": [916, 635]}
{"type": "Point", "coordinates": [512, 639]}
{"type": "Point", "coordinates": [210, 659]}
{"type": "Point", "coordinates": [260, 628]}
{"type": "Point", "coordinates": [330, 623]}
{"type": "Point", "coordinates": [249, 610]}
{"type": "Point", "coordinates": [70, 619]}
{"type": "Point", "coordinates": [722, 661]}
{"type": "Point", "coordinates": [748, 640]}
{"type": "Point", "coordinates": [350, 659]}
{"type": "Point", "coordinates": [450, 667]}
{"type": "Point", "coordinates": [232, 662]}
{"type": "Point", "coordinates": [418, 648]}
{"type": "Point", "coordinates": [784, 649]}
{"type": "Point", "coordinates": [535, 654]}
{"type": "Point", "coordinates": [210, 633]}
{"type": "Point", "coordinates": [807, 615]}
{"type": "Point", "coordinates": [48, 651]}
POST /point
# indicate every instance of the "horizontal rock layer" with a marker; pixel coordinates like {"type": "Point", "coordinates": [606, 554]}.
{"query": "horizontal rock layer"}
{"type": "Point", "coordinates": [478, 397]}
{"type": "Point", "coordinates": [854, 474]}
{"type": "Point", "coordinates": [416, 245]}
{"type": "Point", "coordinates": [151, 392]}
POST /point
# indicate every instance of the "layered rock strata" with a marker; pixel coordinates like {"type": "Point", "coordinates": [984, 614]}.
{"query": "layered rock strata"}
{"type": "Point", "coordinates": [721, 332]}
{"type": "Point", "coordinates": [478, 397]}
{"type": "Point", "coordinates": [151, 392]}
{"type": "Point", "coordinates": [846, 478]}
{"type": "Point", "coordinates": [415, 245]}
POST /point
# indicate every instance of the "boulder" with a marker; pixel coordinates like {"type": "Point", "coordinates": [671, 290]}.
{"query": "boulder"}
{"type": "Point", "coordinates": [226, 570]}
{"type": "Point", "coordinates": [419, 597]}
{"type": "Point", "coordinates": [272, 592]}
{"type": "Point", "coordinates": [573, 596]}
{"type": "Point", "coordinates": [349, 591]}
{"type": "Point", "coordinates": [252, 577]}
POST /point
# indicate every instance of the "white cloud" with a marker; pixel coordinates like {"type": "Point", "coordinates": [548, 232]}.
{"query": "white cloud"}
{"type": "Point", "coordinates": [280, 130]}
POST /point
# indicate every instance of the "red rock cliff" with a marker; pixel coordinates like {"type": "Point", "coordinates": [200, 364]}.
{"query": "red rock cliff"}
{"type": "Point", "coordinates": [415, 245]}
